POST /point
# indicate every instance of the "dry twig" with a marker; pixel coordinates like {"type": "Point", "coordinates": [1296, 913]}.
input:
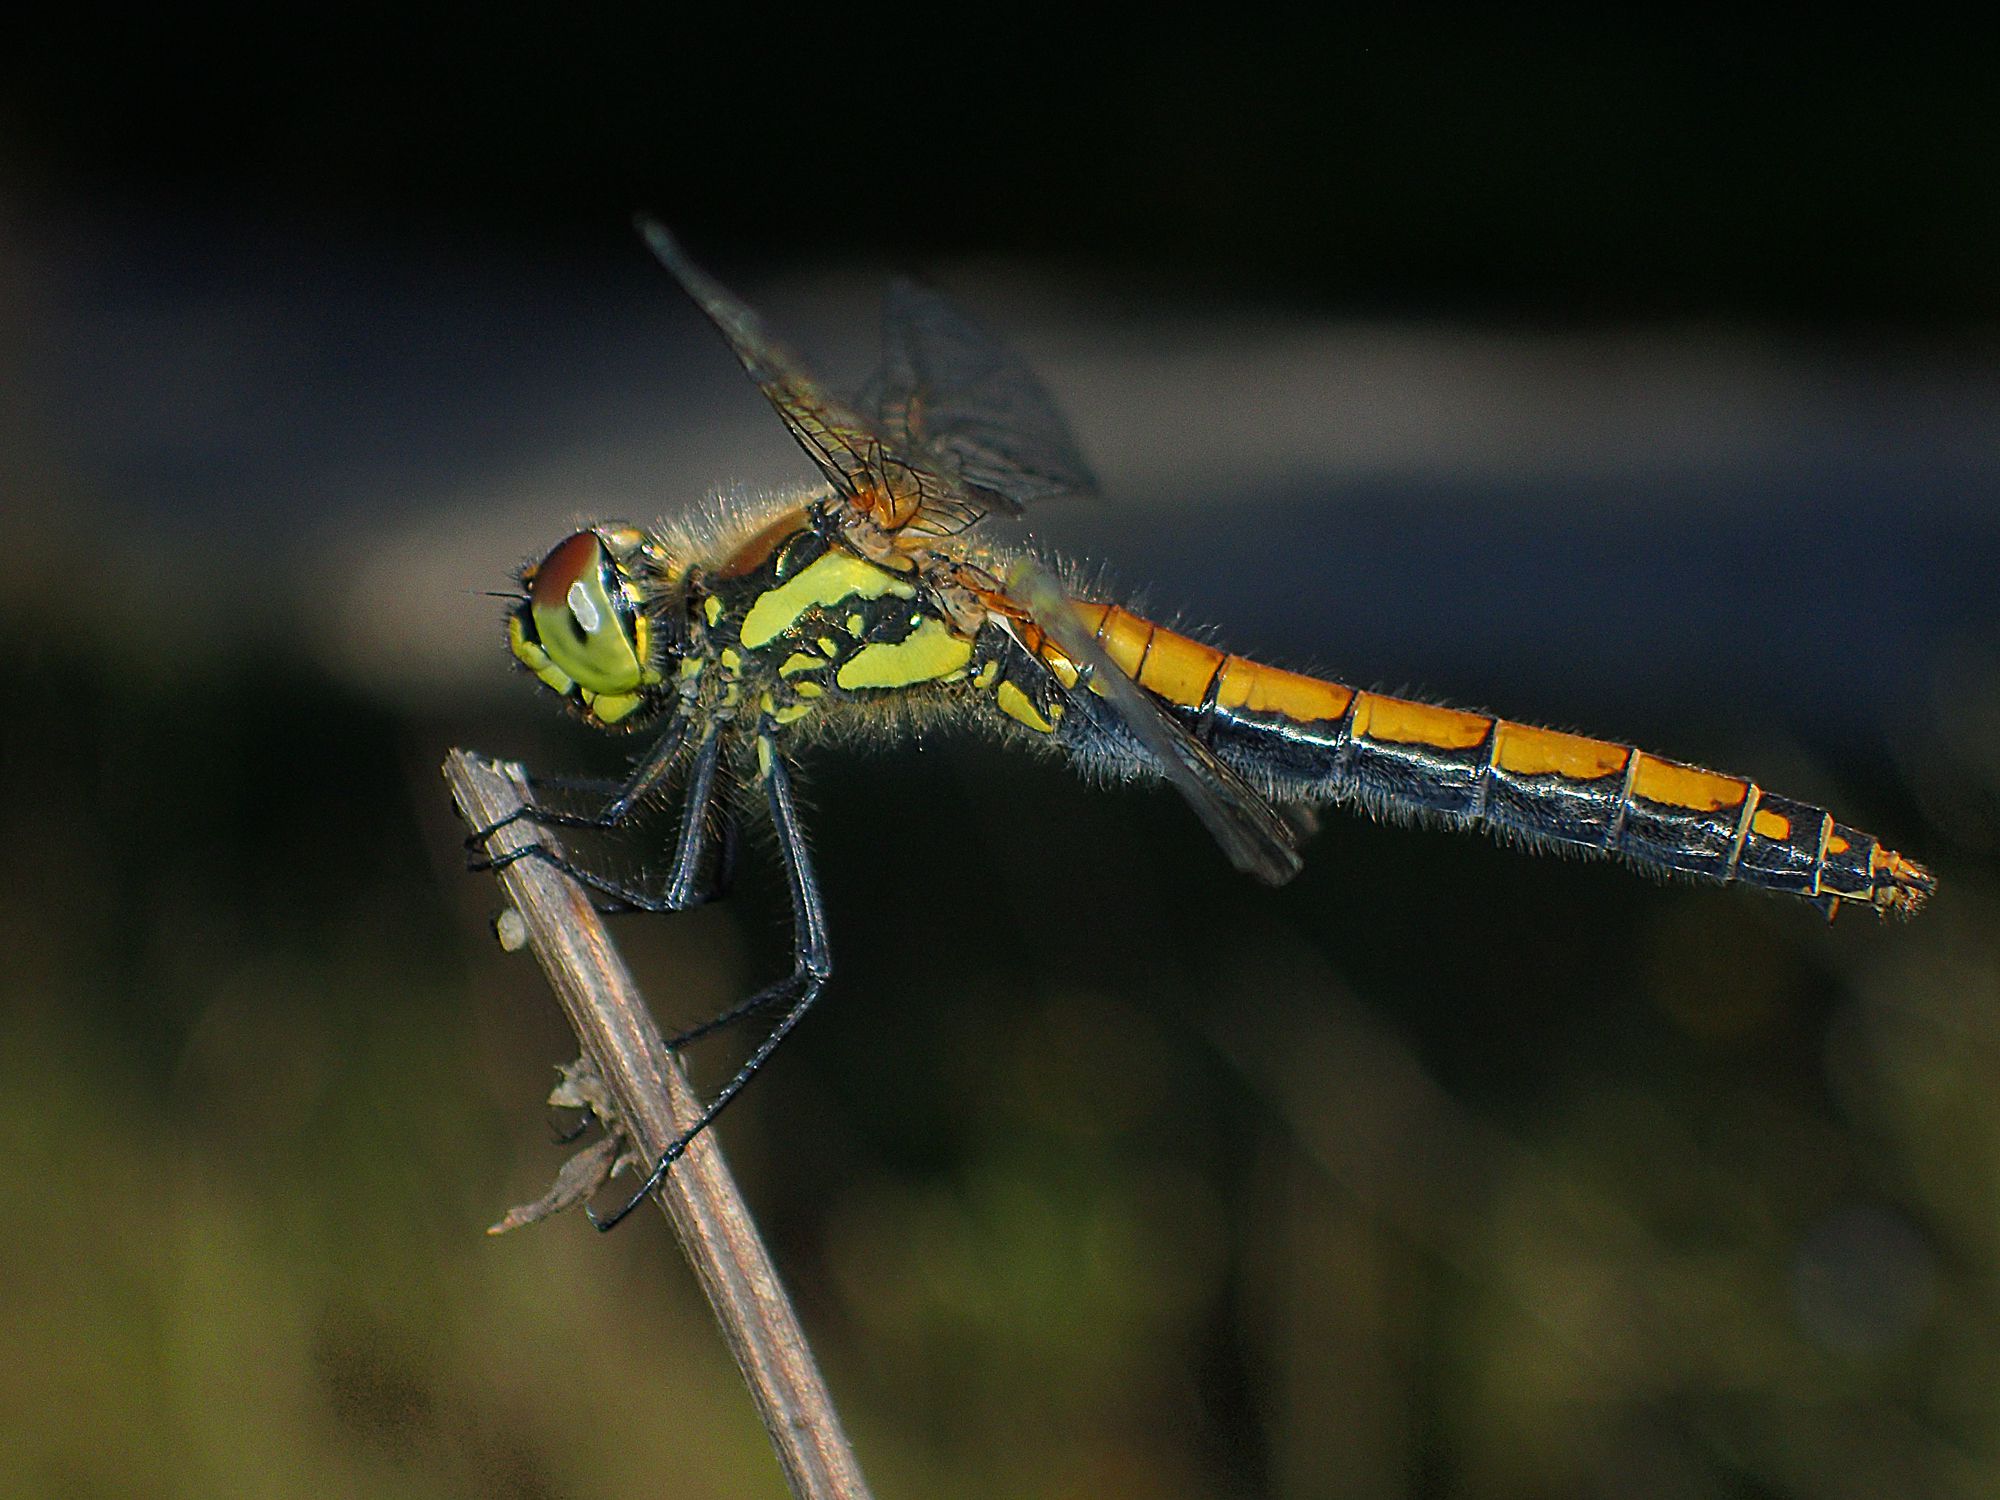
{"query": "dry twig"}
{"type": "Point", "coordinates": [656, 1103]}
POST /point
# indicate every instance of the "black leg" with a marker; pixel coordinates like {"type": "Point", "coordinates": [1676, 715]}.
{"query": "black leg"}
{"type": "Point", "coordinates": [628, 794]}
{"type": "Point", "coordinates": [700, 892]}
{"type": "Point", "coordinates": [743, 1010]}
{"type": "Point", "coordinates": [681, 890]}
{"type": "Point", "coordinates": [683, 885]}
{"type": "Point", "coordinates": [684, 889]}
{"type": "Point", "coordinates": [812, 961]}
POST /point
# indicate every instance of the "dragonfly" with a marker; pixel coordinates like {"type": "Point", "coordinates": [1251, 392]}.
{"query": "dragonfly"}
{"type": "Point", "coordinates": [878, 600]}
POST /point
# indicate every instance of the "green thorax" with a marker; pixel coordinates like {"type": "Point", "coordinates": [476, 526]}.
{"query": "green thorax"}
{"type": "Point", "coordinates": [815, 622]}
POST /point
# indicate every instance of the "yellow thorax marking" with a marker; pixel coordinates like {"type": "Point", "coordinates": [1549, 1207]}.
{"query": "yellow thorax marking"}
{"type": "Point", "coordinates": [788, 713]}
{"type": "Point", "coordinates": [1017, 705]}
{"type": "Point", "coordinates": [834, 577]}
{"type": "Point", "coordinates": [927, 653]}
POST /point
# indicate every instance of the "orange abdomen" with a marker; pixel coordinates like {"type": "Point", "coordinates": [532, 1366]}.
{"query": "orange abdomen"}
{"type": "Point", "coordinates": [1322, 741]}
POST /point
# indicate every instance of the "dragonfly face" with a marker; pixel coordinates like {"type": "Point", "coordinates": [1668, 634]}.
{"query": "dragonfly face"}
{"type": "Point", "coordinates": [584, 629]}
{"type": "Point", "coordinates": [877, 600]}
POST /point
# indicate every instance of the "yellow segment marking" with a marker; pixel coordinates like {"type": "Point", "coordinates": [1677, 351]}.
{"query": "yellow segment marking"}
{"type": "Point", "coordinates": [1268, 690]}
{"type": "Point", "coordinates": [1125, 639]}
{"type": "Point", "coordinates": [1521, 750]}
{"type": "Point", "coordinates": [1178, 669]}
{"type": "Point", "coordinates": [1163, 662]}
{"type": "Point", "coordinates": [732, 658]}
{"type": "Point", "coordinates": [929, 652]}
{"type": "Point", "coordinates": [1092, 615]}
{"type": "Point", "coordinates": [1675, 785]}
{"type": "Point", "coordinates": [830, 579]}
{"type": "Point", "coordinates": [1016, 705]}
{"type": "Point", "coordinates": [711, 607]}
{"type": "Point", "coordinates": [792, 713]}
{"type": "Point", "coordinates": [1770, 825]}
{"type": "Point", "coordinates": [799, 662]}
{"type": "Point", "coordinates": [985, 675]}
{"type": "Point", "coordinates": [1398, 721]}
{"type": "Point", "coordinates": [1835, 844]}
{"type": "Point", "coordinates": [807, 689]}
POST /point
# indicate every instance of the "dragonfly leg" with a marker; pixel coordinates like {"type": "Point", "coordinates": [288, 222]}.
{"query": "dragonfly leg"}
{"type": "Point", "coordinates": [684, 885]}
{"type": "Point", "coordinates": [625, 799]}
{"type": "Point", "coordinates": [812, 962]}
{"type": "Point", "coordinates": [700, 892]}
{"type": "Point", "coordinates": [765, 999]}
{"type": "Point", "coordinates": [683, 888]}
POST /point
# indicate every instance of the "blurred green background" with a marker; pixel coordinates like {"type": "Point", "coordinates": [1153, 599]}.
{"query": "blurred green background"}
{"type": "Point", "coordinates": [1640, 381]}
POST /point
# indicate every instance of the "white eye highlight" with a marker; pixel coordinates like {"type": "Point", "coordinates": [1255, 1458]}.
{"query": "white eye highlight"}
{"type": "Point", "coordinates": [584, 608]}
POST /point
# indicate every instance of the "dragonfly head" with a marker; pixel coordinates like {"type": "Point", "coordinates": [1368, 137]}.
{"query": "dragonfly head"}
{"type": "Point", "coordinates": [587, 628]}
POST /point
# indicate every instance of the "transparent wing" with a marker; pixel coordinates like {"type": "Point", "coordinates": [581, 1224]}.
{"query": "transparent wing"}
{"type": "Point", "coordinates": [870, 472]}
{"type": "Point", "coordinates": [953, 393]}
{"type": "Point", "coordinates": [1254, 834]}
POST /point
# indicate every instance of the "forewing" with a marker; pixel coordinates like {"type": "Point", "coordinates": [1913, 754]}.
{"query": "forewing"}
{"type": "Point", "coordinates": [867, 469]}
{"type": "Point", "coordinates": [970, 406]}
{"type": "Point", "coordinates": [1253, 833]}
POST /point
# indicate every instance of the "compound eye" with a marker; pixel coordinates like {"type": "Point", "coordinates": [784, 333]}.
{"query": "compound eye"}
{"type": "Point", "coordinates": [582, 619]}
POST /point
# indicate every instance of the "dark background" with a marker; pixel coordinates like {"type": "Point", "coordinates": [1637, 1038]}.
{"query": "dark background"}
{"type": "Point", "coordinates": [1639, 380]}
